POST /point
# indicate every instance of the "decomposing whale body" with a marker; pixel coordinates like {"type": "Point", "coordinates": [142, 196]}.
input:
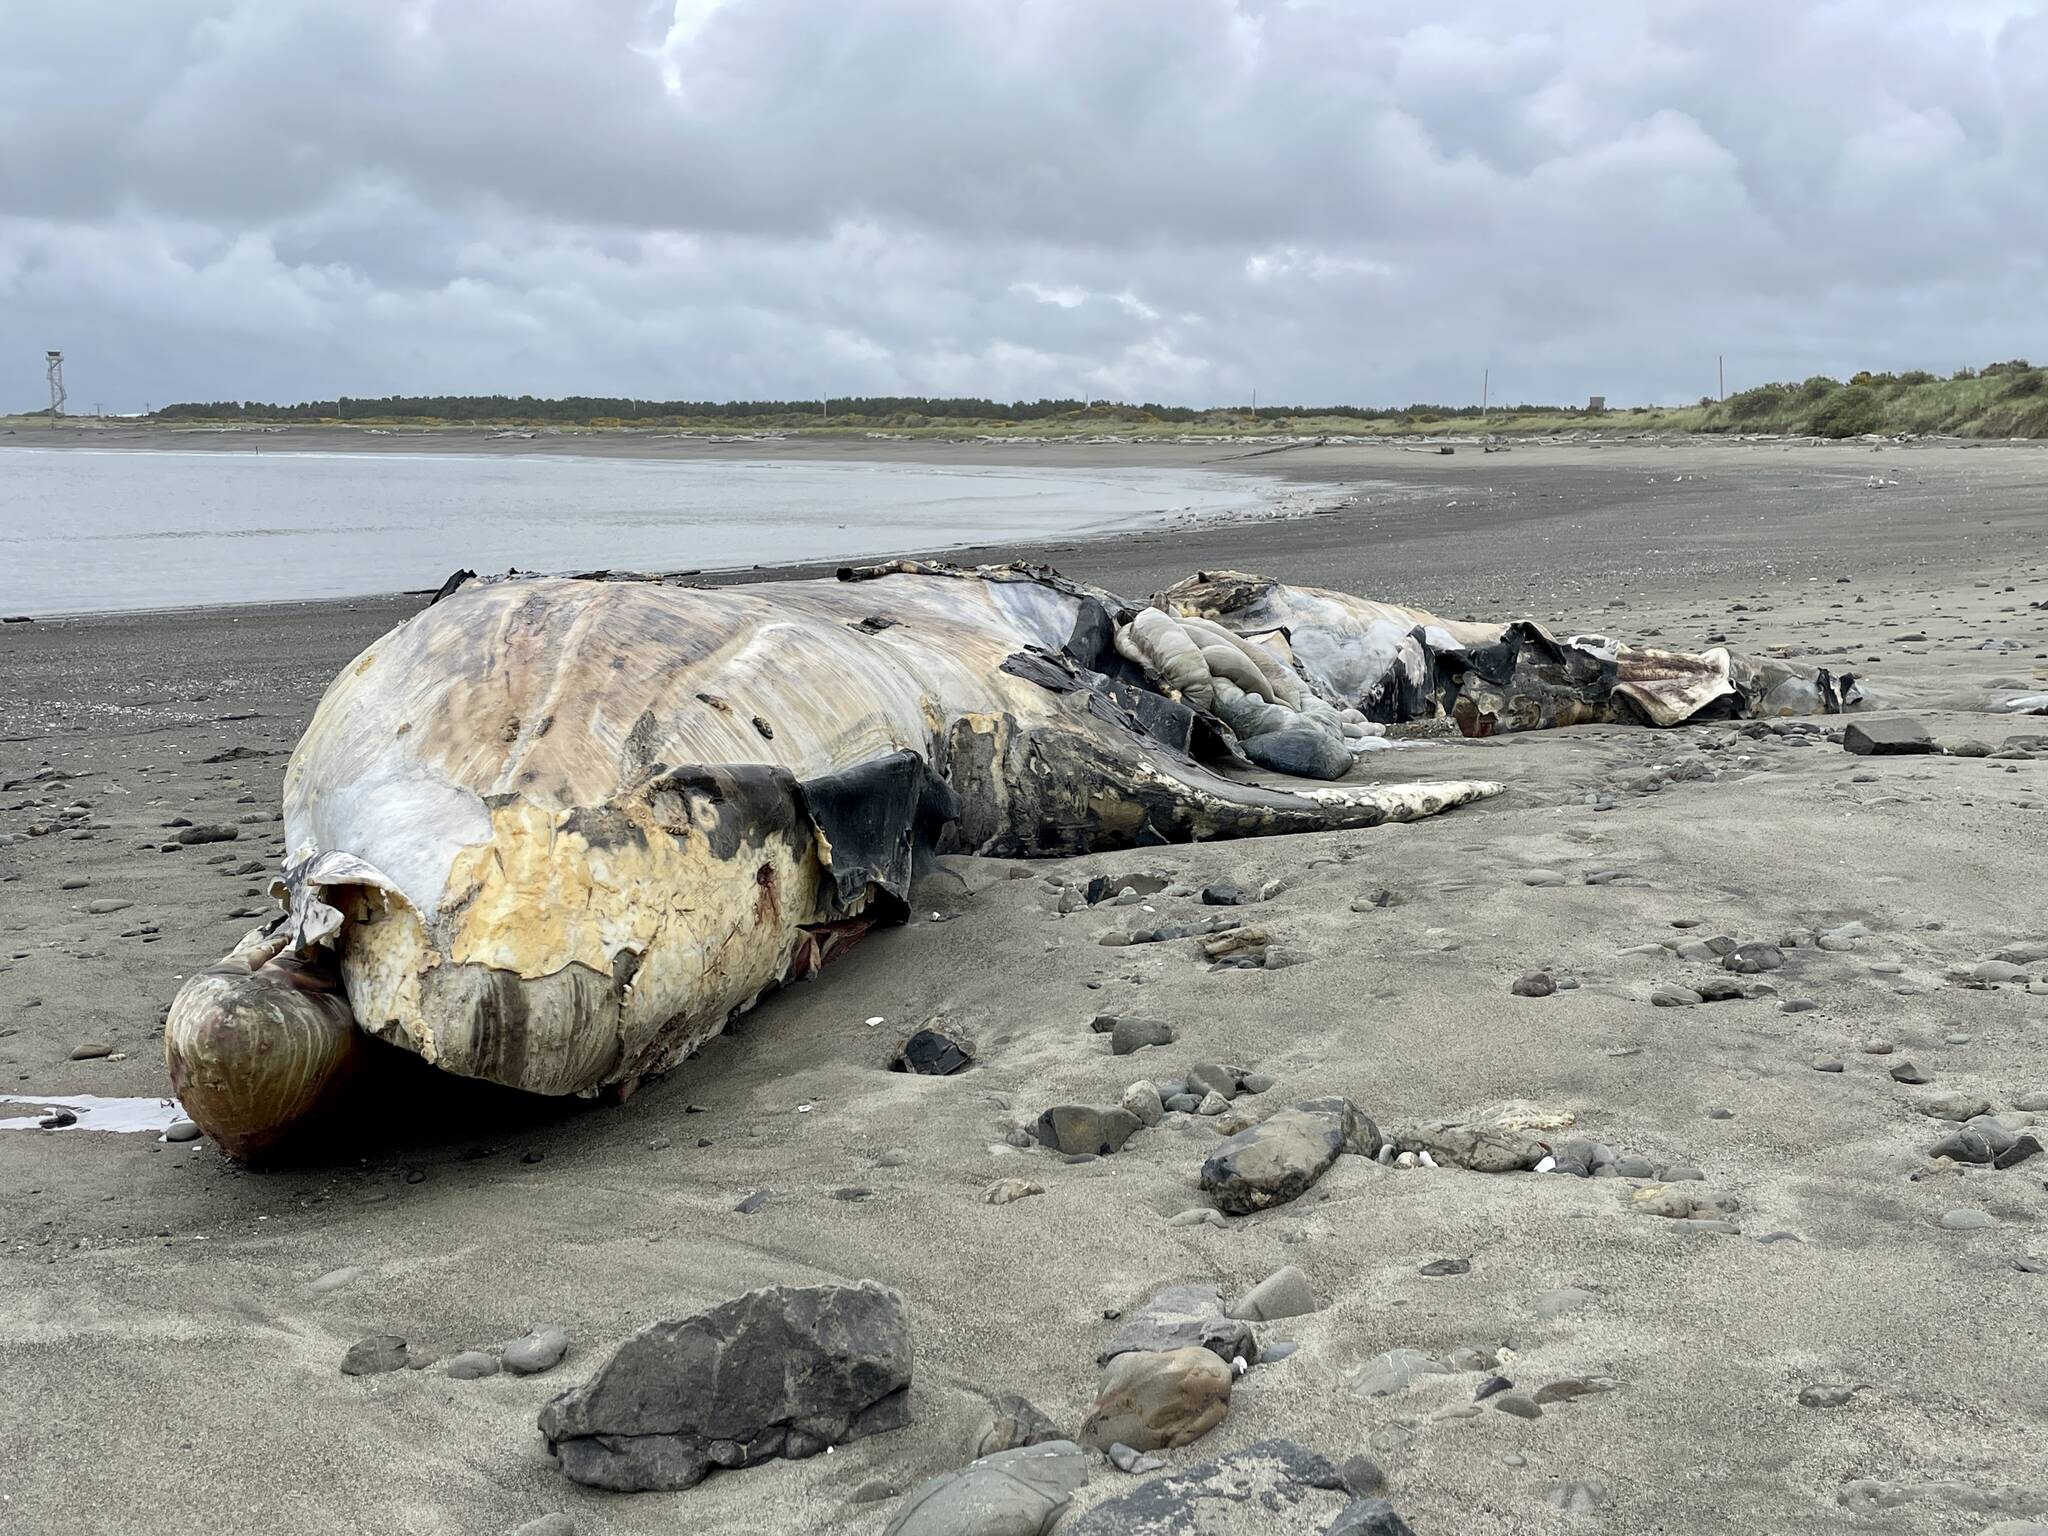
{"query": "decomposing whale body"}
{"type": "Point", "coordinates": [555, 832]}
{"type": "Point", "coordinates": [1391, 664]}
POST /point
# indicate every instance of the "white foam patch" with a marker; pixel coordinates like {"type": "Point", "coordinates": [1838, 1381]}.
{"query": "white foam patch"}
{"type": "Point", "coordinates": [94, 1113]}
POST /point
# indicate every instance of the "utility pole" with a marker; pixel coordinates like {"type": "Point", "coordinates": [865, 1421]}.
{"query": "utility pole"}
{"type": "Point", "coordinates": [1720, 377]}
{"type": "Point", "coordinates": [1485, 388]}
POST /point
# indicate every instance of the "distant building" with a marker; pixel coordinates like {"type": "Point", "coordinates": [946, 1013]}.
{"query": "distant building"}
{"type": "Point", "coordinates": [1595, 404]}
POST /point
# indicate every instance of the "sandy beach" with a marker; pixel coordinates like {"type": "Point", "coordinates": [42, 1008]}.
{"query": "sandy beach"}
{"type": "Point", "coordinates": [171, 1364]}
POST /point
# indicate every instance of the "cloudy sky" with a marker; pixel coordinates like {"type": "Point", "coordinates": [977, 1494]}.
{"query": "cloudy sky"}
{"type": "Point", "coordinates": [1178, 200]}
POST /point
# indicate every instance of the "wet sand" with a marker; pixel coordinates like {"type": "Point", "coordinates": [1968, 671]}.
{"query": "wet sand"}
{"type": "Point", "coordinates": [169, 1366]}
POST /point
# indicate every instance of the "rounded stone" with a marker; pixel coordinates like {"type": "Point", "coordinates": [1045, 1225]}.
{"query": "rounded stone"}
{"type": "Point", "coordinates": [540, 1350]}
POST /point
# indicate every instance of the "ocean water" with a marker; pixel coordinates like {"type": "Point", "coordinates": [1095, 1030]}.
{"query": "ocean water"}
{"type": "Point", "coordinates": [84, 530]}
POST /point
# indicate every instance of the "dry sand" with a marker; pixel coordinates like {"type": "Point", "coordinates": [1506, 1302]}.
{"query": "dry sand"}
{"type": "Point", "coordinates": [166, 1365]}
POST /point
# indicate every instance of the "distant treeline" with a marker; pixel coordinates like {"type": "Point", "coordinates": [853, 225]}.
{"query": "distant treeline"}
{"type": "Point", "coordinates": [2008, 399]}
{"type": "Point", "coordinates": [876, 410]}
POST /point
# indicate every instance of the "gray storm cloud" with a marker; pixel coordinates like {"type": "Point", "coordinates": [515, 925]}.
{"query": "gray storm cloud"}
{"type": "Point", "coordinates": [1180, 200]}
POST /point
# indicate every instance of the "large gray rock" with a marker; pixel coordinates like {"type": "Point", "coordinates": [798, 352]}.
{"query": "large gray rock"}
{"type": "Point", "coordinates": [1273, 1487]}
{"type": "Point", "coordinates": [1278, 1159]}
{"type": "Point", "coordinates": [1017, 1492]}
{"type": "Point", "coordinates": [1893, 736]}
{"type": "Point", "coordinates": [1182, 1317]}
{"type": "Point", "coordinates": [782, 1371]}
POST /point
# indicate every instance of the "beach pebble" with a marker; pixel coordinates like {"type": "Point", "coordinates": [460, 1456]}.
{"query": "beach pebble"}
{"type": "Point", "coordinates": [1962, 1219]}
{"type": "Point", "coordinates": [1750, 959]}
{"type": "Point", "coordinates": [335, 1279]}
{"type": "Point", "coordinates": [1633, 1168]}
{"type": "Point", "coordinates": [1950, 1103]}
{"type": "Point", "coordinates": [181, 1130]}
{"type": "Point", "coordinates": [1279, 1159]}
{"type": "Point", "coordinates": [1670, 995]}
{"type": "Point", "coordinates": [2023, 1148]}
{"type": "Point", "coordinates": [1085, 1128]}
{"type": "Point", "coordinates": [1128, 1035]}
{"type": "Point", "coordinates": [1013, 1421]}
{"type": "Point", "coordinates": [1124, 1459]}
{"type": "Point", "coordinates": [1213, 1103]}
{"type": "Point", "coordinates": [1225, 893]}
{"type": "Point", "coordinates": [1206, 1078]}
{"type": "Point", "coordinates": [92, 1052]}
{"type": "Point", "coordinates": [1912, 1076]}
{"type": "Point", "coordinates": [1437, 1269]}
{"type": "Point", "coordinates": [1542, 877]}
{"type": "Point", "coordinates": [1998, 970]}
{"type": "Point", "coordinates": [547, 1525]}
{"type": "Point", "coordinates": [375, 1355]}
{"type": "Point", "coordinates": [1362, 1475]}
{"type": "Point", "coordinates": [192, 837]}
{"type": "Point", "coordinates": [1518, 1405]}
{"type": "Point", "coordinates": [470, 1365]}
{"type": "Point", "coordinates": [1533, 984]}
{"type": "Point", "coordinates": [1797, 1005]}
{"type": "Point", "coordinates": [1157, 1399]}
{"type": "Point", "coordinates": [1284, 1293]}
{"type": "Point", "coordinates": [541, 1349]}
{"type": "Point", "coordinates": [1142, 1100]}
{"type": "Point", "coordinates": [1004, 1191]}
{"type": "Point", "coordinates": [933, 1054]}
{"type": "Point", "coordinates": [1893, 736]}
{"type": "Point", "coordinates": [1828, 1064]}
{"type": "Point", "coordinates": [1258, 1082]}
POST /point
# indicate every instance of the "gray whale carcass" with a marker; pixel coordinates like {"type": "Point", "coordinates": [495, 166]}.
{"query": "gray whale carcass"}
{"type": "Point", "coordinates": [555, 832]}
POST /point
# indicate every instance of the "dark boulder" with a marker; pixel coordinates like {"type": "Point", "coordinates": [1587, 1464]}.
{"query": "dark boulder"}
{"type": "Point", "coordinates": [782, 1371]}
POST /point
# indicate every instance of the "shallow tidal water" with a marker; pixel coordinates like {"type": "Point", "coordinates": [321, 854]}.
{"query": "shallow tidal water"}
{"type": "Point", "coordinates": [88, 530]}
